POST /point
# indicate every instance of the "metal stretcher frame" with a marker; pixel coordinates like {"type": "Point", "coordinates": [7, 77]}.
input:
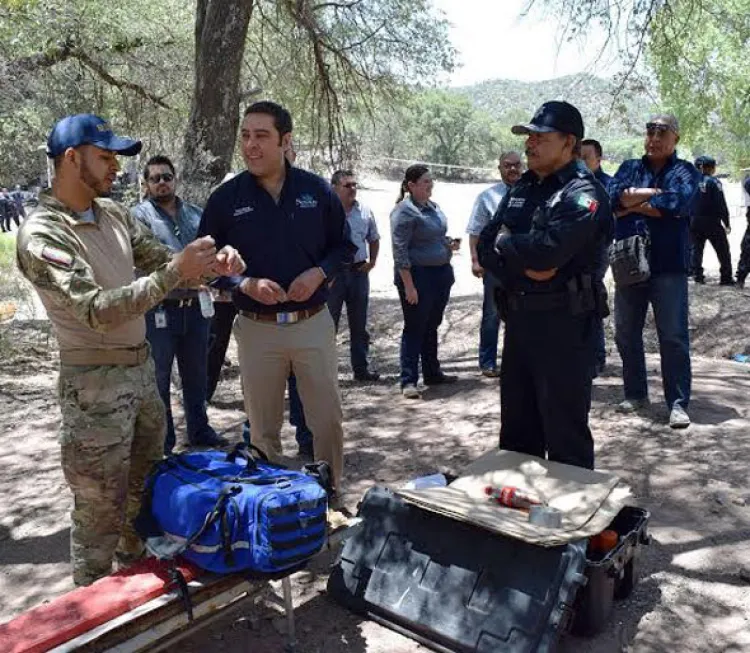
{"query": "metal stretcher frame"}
{"type": "Point", "coordinates": [163, 621]}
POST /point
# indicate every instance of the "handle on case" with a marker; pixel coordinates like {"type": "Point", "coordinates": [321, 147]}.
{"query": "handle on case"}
{"type": "Point", "coordinates": [245, 451]}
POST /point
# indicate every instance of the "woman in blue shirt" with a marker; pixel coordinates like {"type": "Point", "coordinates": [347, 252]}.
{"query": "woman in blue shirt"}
{"type": "Point", "coordinates": [424, 276]}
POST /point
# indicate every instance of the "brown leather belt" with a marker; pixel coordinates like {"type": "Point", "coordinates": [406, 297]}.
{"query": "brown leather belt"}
{"type": "Point", "coordinates": [129, 357]}
{"type": "Point", "coordinates": [291, 317]}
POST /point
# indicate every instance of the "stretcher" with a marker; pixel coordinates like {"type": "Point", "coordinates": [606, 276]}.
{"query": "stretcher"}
{"type": "Point", "coordinates": [144, 608]}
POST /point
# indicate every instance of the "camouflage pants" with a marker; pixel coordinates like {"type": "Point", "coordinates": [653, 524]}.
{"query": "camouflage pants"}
{"type": "Point", "coordinates": [113, 427]}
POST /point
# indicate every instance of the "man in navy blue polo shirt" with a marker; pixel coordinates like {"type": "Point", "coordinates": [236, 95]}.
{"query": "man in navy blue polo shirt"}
{"type": "Point", "coordinates": [653, 195]}
{"type": "Point", "coordinates": [290, 227]}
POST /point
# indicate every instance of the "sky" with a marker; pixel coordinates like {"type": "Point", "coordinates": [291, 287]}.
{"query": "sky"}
{"type": "Point", "coordinates": [495, 42]}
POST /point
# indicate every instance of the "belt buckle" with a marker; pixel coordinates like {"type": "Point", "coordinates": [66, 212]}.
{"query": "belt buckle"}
{"type": "Point", "coordinates": [287, 318]}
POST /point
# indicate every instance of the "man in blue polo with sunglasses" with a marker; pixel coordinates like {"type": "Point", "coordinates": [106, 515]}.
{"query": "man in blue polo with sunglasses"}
{"type": "Point", "coordinates": [653, 196]}
{"type": "Point", "coordinates": [175, 328]}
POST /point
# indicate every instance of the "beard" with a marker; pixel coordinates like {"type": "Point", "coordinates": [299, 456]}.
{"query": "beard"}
{"type": "Point", "coordinates": [101, 187]}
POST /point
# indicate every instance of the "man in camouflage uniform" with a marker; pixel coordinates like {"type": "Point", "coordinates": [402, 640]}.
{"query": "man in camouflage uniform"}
{"type": "Point", "coordinates": [79, 251]}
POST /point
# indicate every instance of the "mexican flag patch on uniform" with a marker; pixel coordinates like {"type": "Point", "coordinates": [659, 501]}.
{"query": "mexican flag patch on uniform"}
{"type": "Point", "coordinates": [587, 202]}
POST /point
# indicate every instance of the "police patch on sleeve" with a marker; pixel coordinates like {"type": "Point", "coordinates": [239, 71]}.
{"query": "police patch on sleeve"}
{"type": "Point", "coordinates": [587, 202]}
{"type": "Point", "coordinates": [56, 256]}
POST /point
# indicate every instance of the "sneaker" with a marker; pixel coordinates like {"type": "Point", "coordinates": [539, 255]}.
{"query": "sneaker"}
{"type": "Point", "coordinates": [632, 406]}
{"type": "Point", "coordinates": [490, 372]}
{"type": "Point", "coordinates": [441, 379]}
{"type": "Point", "coordinates": [367, 375]}
{"type": "Point", "coordinates": [411, 391]}
{"type": "Point", "coordinates": [678, 418]}
{"type": "Point", "coordinates": [726, 282]}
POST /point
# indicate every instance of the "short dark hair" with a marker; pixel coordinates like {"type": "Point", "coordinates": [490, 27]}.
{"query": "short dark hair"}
{"type": "Point", "coordinates": [158, 160]}
{"type": "Point", "coordinates": [596, 145]}
{"type": "Point", "coordinates": [282, 119]}
{"type": "Point", "coordinates": [337, 176]}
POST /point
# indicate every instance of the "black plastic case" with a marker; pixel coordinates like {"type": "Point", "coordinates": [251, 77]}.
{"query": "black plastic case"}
{"type": "Point", "coordinates": [455, 587]}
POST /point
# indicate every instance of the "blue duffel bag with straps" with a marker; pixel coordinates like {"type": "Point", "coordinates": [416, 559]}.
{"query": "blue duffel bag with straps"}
{"type": "Point", "coordinates": [229, 512]}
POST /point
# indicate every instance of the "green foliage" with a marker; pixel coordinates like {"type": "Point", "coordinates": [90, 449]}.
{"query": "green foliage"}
{"type": "Point", "coordinates": [700, 57]}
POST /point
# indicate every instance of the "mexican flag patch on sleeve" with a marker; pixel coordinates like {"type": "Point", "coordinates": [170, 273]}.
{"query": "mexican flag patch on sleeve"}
{"type": "Point", "coordinates": [587, 202]}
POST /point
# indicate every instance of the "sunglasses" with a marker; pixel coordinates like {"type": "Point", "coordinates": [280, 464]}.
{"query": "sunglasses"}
{"type": "Point", "coordinates": [166, 176]}
{"type": "Point", "coordinates": [350, 185]}
{"type": "Point", "coordinates": [657, 128]}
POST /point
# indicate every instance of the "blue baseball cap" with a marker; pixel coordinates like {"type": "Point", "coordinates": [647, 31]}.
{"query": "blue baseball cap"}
{"type": "Point", "coordinates": [553, 116]}
{"type": "Point", "coordinates": [88, 129]}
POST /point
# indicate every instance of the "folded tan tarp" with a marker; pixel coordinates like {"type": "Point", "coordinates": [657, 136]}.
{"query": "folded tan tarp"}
{"type": "Point", "coordinates": [588, 500]}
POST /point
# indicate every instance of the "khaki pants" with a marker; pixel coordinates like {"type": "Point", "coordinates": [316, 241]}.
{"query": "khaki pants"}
{"type": "Point", "coordinates": [267, 353]}
{"type": "Point", "coordinates": [113, 426]}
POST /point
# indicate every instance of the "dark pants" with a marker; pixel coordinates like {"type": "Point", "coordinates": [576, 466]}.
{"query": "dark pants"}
{"type": "Point", "coordinates": [490, 327]}
{"type": "Point", "coordinates": [718, 239]}
{"type": "Point", "coordinates": [419, 338]}
{"type": "Point", "coordinates": [185, 337]}
{"type": "Point", "coordinates": [6, 216]}
{"type": "Point", "coordinates": [743, 267]}
{"type": "Point", "coordinates": [221, 332]}
{"type": "Point", "coordinates": [545, 385]}
{"type": "Point", "coordinates": [668, 296]}
{"type": "Point", "coordinates": [353, 289]}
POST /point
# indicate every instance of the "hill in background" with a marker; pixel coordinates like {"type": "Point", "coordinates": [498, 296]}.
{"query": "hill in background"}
{"type": "Point", "coordinates": [616, 121]}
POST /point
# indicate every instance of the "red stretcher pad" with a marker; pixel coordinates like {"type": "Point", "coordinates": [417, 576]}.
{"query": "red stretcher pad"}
{"type": "Point", "coordinates": [77, 612]}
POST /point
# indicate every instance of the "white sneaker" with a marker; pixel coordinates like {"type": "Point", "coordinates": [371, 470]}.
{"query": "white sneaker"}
{"type": "Point", "coordinates": [411, 392]}
{"type": "Point", "coordinates": [678, 418]}
{"type": "Point", "coordinates": [632, 405]}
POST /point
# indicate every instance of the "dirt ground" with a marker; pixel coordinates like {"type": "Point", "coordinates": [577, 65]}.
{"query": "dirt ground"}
{"type": "Point", "coordinates": [693, 594]}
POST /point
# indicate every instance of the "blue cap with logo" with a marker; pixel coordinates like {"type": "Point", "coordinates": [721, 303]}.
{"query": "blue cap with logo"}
{"type": "Point", "coordinates": [553, 116]}
{"type": "Point", "coordinates": [88, 129]}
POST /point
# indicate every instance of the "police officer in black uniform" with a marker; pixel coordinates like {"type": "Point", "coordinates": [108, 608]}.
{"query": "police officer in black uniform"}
{"type": "Point", "coordinates": [544, 246]}
{"type": "Point", "coordinates": [710, 222]}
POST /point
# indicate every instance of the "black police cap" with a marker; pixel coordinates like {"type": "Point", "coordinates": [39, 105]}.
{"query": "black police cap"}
{"type": "Point", "coordinates": [554, 116]}
{"type": "Point", "coordinates": [705, 160]}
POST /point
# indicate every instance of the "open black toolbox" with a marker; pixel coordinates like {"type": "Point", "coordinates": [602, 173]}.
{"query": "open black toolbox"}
{"type": "Point", "coordinates": [457, 587]}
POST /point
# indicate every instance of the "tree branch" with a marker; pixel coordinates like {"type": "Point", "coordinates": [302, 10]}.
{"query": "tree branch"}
{"type": "Point", "coordinates": [100, 70]}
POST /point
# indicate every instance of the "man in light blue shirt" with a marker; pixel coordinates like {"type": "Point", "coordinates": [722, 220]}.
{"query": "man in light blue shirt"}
{"type": "Point", "coordinates": [484, 209]}
{"type": "Point", "coordinates": [352, 285]}
{"type": "Point", "coordinates": [176, 328]}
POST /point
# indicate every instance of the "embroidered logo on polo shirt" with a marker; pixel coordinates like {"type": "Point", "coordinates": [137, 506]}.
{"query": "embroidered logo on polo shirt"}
{"type": "Point", "coordinates": [516, 202]}
{"type": "Point", "coordinates": [306, 201]}
{"type": "Point", "coordinates": [243, 210]}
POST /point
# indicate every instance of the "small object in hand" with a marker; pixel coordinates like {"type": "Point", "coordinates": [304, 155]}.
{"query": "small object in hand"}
{"type": "Point", "coordinates": [513, 497]}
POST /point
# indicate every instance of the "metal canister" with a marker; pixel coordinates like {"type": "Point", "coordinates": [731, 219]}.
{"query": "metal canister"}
{"type": "Point", "coordinates": [545, 516]}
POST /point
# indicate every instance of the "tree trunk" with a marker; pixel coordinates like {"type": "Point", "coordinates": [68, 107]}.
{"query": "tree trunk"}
{"type": "Point", "coordinates": [220, 36]}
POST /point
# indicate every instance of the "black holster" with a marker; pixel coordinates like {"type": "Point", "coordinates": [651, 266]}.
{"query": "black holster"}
{"type": "Point", "coordinates": [581, 294]}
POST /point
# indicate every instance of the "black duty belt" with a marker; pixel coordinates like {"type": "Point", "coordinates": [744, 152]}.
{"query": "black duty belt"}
{"type": "Point", "coordinates": [537, 301]}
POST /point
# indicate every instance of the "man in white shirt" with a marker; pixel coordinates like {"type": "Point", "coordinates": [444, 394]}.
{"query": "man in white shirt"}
{"type": "Point", "coordinates": [485, 206]}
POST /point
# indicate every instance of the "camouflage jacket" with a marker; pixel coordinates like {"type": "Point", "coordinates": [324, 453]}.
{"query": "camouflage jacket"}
{"type": "Point", "coordinates": [83, 272]}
